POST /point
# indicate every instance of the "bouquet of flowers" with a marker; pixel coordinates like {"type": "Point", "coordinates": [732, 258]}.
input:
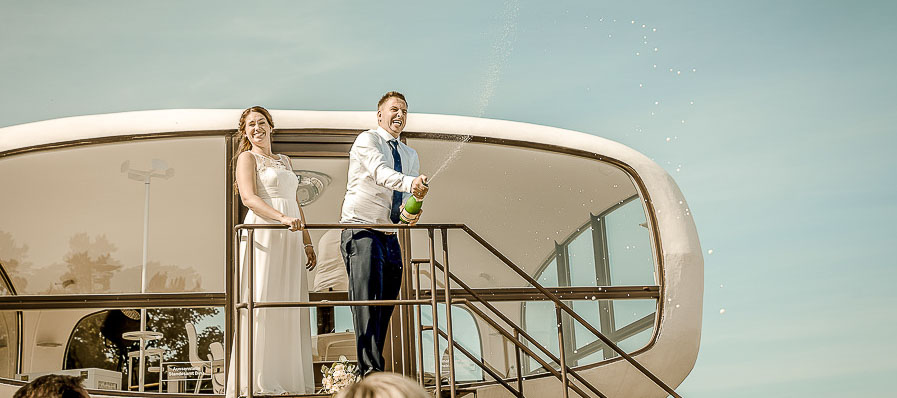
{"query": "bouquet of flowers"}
{"type": "Point", "coordinates": [338, 376]}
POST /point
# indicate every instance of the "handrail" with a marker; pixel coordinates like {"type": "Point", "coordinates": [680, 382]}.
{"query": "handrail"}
{"type": "Point", "coordinates": [558, 303]}
{"type": "Point", "coordinates": [518, 330]}
{"type": "Point", "coordinates": [112, 301]}
{"type": "Point", "coordinates": [559, 307]}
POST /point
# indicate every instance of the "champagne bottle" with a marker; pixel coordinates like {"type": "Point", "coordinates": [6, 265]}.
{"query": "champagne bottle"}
{"type": "Point", "coordinates": [410, 210]}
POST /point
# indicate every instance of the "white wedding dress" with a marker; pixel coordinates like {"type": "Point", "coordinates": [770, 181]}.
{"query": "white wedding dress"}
{"type": "Point", "coordinates": [282, 351]}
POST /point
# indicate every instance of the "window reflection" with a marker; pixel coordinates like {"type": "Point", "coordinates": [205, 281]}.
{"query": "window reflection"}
{"type": "Point", "coordinates": [97, 342]}
{"type": "Point", "coordinates": [99, 248]}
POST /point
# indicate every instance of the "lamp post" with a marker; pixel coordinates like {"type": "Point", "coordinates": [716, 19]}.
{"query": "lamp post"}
{"type": "Point", "coordinates": [159, 169]}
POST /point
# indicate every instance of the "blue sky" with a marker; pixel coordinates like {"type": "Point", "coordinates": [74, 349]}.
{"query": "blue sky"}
{"type": "Point", "coordinates": [777, 121]}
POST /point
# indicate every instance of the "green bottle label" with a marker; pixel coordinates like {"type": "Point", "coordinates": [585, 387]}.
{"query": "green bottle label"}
{"type": "Point", "coordinates": [412, 205]}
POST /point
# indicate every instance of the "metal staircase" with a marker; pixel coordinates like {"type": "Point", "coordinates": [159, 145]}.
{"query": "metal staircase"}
{"type": "Point", "coordinates": [469, 298]}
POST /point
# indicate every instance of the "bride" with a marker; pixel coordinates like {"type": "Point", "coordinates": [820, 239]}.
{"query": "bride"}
{"type": "Point", "coordinates": [267, 186]}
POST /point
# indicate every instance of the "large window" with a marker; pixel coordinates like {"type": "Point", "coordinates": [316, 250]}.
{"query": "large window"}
{"type": "Point", "coordinates": [73, 221]}
{"type": "Point", "coordinates": [611, 249]}
{"type": "Point", "coordinates": [97, 341]}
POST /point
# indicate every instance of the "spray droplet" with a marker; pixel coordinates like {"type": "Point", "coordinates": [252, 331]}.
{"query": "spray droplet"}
{"type": "Point", "coordinates": [654, 30]}
{"type": "Point", "coordinates": [655, 49]}
{"type": "Point", "coordinates": [636, 54]}
{"type": "Point", "coordinates": [668, 139]}
{"type": "Point", "coordinates": [677, 305]}
{"type": "Point", "coordinates": [720, 286]}
{"type": "Point", "coordinates": [722, 310]}
{"type": "Point", "coordinates": [710, 251]}
{"type": "Point", "coordinates": [655, 66]}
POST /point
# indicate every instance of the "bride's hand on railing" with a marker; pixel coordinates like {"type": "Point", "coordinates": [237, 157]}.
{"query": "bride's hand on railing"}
{"type": "Point", "coordinates": [295, 224]}
{"type": "Point", "coordinates": [312, 258]}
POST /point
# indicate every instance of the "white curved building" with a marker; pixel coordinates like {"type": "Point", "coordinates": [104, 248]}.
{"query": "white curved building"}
{"type": "Point", "coordinates": [599, 225]}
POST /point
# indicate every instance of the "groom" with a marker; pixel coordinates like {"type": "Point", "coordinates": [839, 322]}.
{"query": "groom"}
{"type": "Point", "coordinates": [382, 173]}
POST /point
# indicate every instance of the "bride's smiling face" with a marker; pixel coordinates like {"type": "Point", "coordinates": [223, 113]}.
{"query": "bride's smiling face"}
{"type": "Point", "coordinates": [258, 130]}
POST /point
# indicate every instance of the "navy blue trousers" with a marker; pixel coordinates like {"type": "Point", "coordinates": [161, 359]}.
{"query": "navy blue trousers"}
{"type": "Point", "coordinates": [374, 263]}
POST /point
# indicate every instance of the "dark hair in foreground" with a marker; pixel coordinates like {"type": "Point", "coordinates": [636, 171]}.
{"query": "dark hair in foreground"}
{"type": "Point", "coordinates": [391, 94]}
{"type": "Point", "coordinates": [52, 386]}
{"type": "Point", "coordinates": [384, 385]}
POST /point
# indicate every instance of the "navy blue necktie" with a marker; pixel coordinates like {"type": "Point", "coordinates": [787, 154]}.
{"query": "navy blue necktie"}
{"type": "Point", "coordinates": [396, 195]}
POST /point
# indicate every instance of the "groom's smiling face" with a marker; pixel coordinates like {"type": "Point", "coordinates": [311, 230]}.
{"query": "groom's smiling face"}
{"type": "Point", "coordinates": [391, 115]}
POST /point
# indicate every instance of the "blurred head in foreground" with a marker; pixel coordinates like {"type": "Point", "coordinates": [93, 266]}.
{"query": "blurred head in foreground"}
{"type": "Point", "coordinates": [53, 386]}
{"type": "Point", "coordinates": [384, 385]}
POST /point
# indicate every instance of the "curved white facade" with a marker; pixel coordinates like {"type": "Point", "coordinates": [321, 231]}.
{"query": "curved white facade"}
{"type": "Point", "coordinates": [672, 352]}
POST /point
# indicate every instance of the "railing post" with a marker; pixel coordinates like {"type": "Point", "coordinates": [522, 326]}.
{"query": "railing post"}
{"type": "Point", "coordinates": [448, 311]}
{"type": "Point", "coordinates": [517, 359]}
{"type": "Point", "coordinates": [561, 348]}
{"type": "Point", "coordinates": [236, 300]}
{"type": "Point", "coordinates": [250, 255]}
{"type": "Point", "coordinates": [419, 325]}
{"type": "Point", "coordinates": [435, 315]}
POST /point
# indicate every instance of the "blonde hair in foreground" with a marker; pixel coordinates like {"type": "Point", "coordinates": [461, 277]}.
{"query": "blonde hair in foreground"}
{"type": "Point", "coordinates": [384, 385]}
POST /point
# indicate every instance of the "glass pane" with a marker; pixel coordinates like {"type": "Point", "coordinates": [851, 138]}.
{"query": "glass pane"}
{"type": "Point", "coordinates": [77, 341]}
{"type": "Point", "coordinates": [629, 246]}
{"type": "Point", "coordinates": [540, 323]}
{"type": "Point", "coordinates": [636, 319]}
{"type": "Point", "coordinates": [8, 340]}
{"type": "Point", "coordinates": [549, 275]}
{"type": "Point", "coordinates": [581, 259]}
{"type": "Point", "coordinates": [629, 311]}
{"type": "Point", "coordinates": [590, 311]}
{"type": "Point", "coordinates": [465, 333]}
{"type": "Point", "coordinates": [99, 247]}
{"type": "Point", "coordinates": [637, 341]}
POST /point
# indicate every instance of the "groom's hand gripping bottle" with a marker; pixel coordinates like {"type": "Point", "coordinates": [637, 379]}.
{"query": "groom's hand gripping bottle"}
{"type": "Point", "coordinates": [411, 210]}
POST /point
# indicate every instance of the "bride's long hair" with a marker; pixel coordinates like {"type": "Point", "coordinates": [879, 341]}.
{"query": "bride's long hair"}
{"type": "Point", "coordinates": [243, 142]}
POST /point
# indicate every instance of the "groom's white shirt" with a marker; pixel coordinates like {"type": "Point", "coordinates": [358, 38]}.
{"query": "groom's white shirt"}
{"type": "Point", "coordinates": [372, 178]}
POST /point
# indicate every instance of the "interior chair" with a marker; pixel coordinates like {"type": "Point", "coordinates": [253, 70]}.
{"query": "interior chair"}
{"type": "Point", "coordinates": [205, 367]}
{"type": "Point", "coordinates": [216, 358]}
{"type": "Point", "coordinates": [332, 345]}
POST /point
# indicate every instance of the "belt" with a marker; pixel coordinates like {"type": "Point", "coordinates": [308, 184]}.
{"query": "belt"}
{"type": "Point", "coordinates": [375, 230]}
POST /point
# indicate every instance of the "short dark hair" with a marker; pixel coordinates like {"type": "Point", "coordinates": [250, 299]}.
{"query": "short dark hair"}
{"type": "Point", "coordinates": [391, 94]}
{"type": "Point", "coordinates": [52, 386]}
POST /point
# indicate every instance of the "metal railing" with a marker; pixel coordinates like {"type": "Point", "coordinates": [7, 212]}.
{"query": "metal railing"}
{"type": "Point", "coordinates": [563, 374]}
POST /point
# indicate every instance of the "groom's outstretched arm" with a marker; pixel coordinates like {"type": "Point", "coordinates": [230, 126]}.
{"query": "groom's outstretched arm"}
{"type": "Point", "coordinates": [365, 150]}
